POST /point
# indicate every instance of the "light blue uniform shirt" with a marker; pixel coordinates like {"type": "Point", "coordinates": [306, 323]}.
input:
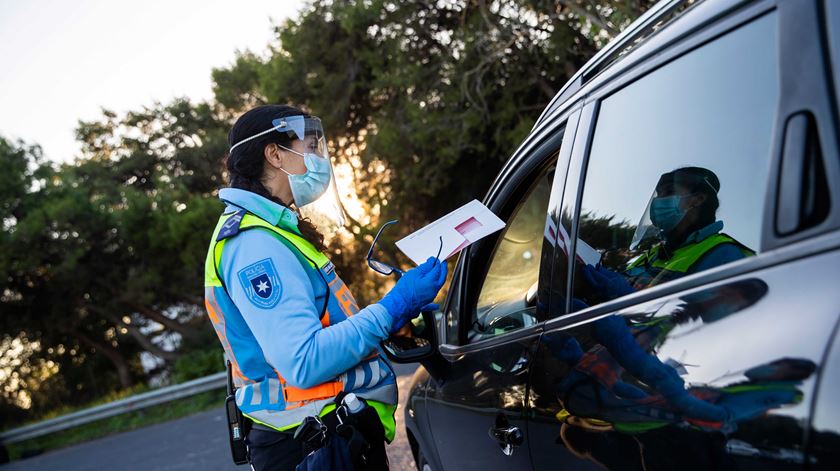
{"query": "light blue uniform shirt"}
{"type": "Point", "coordinates": [290, 334]}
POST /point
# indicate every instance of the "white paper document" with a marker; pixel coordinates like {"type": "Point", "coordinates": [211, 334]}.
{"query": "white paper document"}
{"type": "Point", "coordinates": [458, 229]}
{"type": "Point", "coordinates": [585, 253]}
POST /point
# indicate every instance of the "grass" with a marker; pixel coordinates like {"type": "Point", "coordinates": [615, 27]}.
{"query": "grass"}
{"type": "Point", "coordinates": [121, 423]}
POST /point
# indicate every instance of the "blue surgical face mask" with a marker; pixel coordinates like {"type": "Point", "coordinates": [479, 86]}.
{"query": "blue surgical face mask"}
{"type": "Point", "coordinates": [310, 185]}
{"type": "Point", "coordinates": [665, 212]}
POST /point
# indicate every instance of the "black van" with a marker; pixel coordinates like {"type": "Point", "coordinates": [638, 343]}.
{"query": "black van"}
{"type": "Point", "coordinates": [692, 168]}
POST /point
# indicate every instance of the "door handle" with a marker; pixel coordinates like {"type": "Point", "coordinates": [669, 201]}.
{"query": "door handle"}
{"type": "Point", "coordinates": [508, 438]}
{"type": "Point", "coordinates": [803, 199]}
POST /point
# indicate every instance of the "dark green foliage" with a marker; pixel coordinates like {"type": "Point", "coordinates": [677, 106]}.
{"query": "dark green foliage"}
{"type": "Point", "coordinates": [197, 364]}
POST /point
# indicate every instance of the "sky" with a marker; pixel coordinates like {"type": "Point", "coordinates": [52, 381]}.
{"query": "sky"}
{"type": "Point", "coordinates": [61, 62]}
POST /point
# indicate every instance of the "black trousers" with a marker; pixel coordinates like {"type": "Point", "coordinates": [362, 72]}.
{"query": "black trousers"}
{"type": "Point", "coordinates": [274, 451]}
{"type": "Point", "coordinates": [279, 451]}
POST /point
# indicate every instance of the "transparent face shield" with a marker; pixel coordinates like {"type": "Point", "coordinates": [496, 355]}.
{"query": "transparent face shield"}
{"type": "Point", "coordinates": [645, 229]}
{"type": "Point", "coordinates": [321, 205]}
{"type": "Point", "coordinates": [670, 184]}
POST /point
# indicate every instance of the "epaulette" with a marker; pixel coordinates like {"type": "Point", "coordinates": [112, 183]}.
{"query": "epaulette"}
{"type": "Point", "coordinates": [231, 226]}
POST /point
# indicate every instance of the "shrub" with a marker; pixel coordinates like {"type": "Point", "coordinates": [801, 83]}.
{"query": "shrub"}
{"type": "Point", "coordinates": [198, 363]}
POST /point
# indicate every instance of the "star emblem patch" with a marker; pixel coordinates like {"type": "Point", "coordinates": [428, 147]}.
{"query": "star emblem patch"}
{"type": "Point", "coordinates": [261, 283]}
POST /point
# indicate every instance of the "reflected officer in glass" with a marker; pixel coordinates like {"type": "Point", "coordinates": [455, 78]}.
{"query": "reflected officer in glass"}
{"type": "Point", "coordinates": [682, 233]}
{"type": "Point", "coordinates": [620, 399]}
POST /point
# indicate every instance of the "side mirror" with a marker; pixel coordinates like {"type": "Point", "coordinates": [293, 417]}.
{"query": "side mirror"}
{"type": "Point", "coordinates": [422, 344]}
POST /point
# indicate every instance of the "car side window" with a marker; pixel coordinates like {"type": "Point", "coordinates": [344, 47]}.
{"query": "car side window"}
{"type": "Point", "coordinates": [507, 299]}
{"type": "Point", "coordinates": [678, 166]}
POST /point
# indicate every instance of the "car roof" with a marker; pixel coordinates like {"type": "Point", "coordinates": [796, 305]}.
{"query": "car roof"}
{"type": "Point", "coordinates": [648, 34]}
{"type": "Point", "coordinates": [638, 29]}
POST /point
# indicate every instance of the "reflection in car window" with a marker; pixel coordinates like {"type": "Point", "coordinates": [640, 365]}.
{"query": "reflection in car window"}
{"type": "Point", "coordinates": [677, 171]}
{"type": "Point", "coordinates": [508, 296]}
{"type": "Point", "coordinates": [630, 387]}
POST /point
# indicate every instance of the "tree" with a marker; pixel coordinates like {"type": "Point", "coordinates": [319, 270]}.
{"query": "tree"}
{"type": "Point", "coordinates": [102, 258]}
{"type": "Point", "coordinates": [436, 92]}
{"type": "Point", "coordinates": [119, 234]}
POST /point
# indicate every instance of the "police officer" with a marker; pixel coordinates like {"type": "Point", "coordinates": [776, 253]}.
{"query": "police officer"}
{"type": "Point", "coordinates": [681, 219]}
{"type": "Point", "coordinates": [289, 326]}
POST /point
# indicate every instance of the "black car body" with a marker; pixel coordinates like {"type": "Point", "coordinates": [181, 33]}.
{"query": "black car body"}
{"type": "Point", "coordinates": [518, 376]}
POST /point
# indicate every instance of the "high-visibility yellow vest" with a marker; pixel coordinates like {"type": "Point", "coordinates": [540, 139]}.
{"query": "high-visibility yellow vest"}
{"type": "Point", "coordinates": [649, 269]}
{"type": "Point", "coordinates": [262, 393]}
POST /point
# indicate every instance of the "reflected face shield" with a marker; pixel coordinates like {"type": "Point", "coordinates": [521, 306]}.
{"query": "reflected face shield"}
{"type": "Point", "coordinates": [663, 211]}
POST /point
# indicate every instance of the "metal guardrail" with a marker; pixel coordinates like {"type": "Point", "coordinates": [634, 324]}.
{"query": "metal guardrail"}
{"type": "Point", "coordinates": [122, 406]}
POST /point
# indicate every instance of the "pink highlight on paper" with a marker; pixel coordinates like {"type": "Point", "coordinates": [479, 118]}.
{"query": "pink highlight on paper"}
{"type": "Point", "coordinates": [468, 226]}
{"type": "Point", "coordinates": [464, 229]}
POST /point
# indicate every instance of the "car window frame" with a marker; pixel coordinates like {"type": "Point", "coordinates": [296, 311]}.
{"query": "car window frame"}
{"type": "Point", "coordinates": [515, 200]}
{"type": "Point", "coordinates": [552, 138]}
{"type": "Point", "coordinates": [516, 183]}
{"type": "Point", "coordinates": [810, 241]}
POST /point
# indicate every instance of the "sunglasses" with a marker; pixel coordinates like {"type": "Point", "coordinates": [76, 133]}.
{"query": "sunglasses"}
{"type": "Point", "coordinates": [382, 267]}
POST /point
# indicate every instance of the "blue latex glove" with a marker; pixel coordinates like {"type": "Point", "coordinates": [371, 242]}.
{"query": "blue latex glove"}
{"type": "Point", "coordinates": [415, 290]}
{"type": "Point", "coordinates": [578, 305]}
{"type": "Point", "coordinates": [606, 282]}
{"type": "Point", "coordinates": [563, 347]}
{"type": "Point", "coordinates": [430, 307]}
{"type": "Point", "coordinates": [748, 404]}
{"type": "Point", "coordinates": [613, 333]}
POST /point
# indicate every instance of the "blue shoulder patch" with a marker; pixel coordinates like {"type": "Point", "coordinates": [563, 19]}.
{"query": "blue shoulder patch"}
{"type": "Point", "coordinates": [231, 227]}
{"type": "Point", "coordinates": [261, 283]}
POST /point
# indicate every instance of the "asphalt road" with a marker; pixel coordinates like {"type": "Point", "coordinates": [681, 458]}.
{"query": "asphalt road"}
{"type": "Point", "coordinates": [197, 442]}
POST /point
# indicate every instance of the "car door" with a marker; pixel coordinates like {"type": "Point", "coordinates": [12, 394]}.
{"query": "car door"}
{"type": "Point", "coordinates": [713, 368]}
{"type": "Point", "coordinates": [824, 433]}
{"type": "Point", "coordinates": [492, 318]}
{"type": "Point", "coordinates": [824, 430]}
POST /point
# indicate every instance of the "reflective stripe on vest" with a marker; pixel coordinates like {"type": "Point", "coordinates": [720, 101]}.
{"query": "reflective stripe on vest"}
{"type": "Point", "coordinates": [644, 274]}
{"type": "Point", "coordinates": [262, 392]}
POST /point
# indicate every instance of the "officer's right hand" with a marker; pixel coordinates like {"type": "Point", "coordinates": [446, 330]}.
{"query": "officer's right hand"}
{"type": "Point", "coordinates": [607, 283]}
{"type": "Point", "coordinates": [417, 288]}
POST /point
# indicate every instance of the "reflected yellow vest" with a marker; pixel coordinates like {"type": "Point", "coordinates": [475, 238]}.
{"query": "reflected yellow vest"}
{"type": "Point", "coordinates": [650, 270]}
